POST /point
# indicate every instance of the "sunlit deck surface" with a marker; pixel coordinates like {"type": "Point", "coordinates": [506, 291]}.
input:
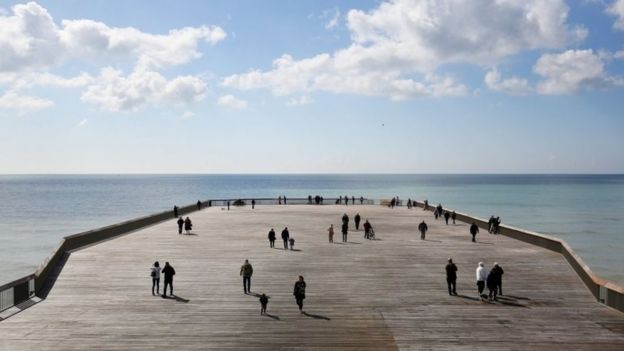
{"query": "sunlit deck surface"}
{"type": "Point", "coordinates": [364, 295]}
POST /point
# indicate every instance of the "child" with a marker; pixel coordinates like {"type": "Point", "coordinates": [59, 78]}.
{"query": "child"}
{"type": "Point", "coordinates": [264, 301]}
{"type": "Point", "coordinates": [292, 243]}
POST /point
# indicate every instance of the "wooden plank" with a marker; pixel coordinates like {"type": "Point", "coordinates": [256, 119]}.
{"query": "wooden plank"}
{"type": "Point", "coordinates": [364, 295]}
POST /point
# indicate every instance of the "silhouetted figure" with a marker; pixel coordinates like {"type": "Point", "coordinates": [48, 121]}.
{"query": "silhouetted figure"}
{"type": "Point", "coordinates": [361, 200]}
{"type": "Point", "coordinates": [291, 241]}
{"type": "Point", "coordinates": [180, 225]}
{"type": "Point", "coordinates": [451, 277]}
{"type": "Point", "coordinates": [228, 205]}
{"type": "Point", "coordinates": [426, 206]}
{"type": "Point", "coordinates": [482, 274]}
{"type": "Point", "coordinates": [447, 215]}
{"type": "Point", "coordinates": [357, 219]}
{"type": "Point", "coordinates": [440, 209]}
{"type": "Point", "coordinates": [340, 199]}
{"type": "Point", "coordinates": [346, 198]}
{"type": "Point", "coordinates": [330, 232]}
{"type": "Point", "coordinates": [284, 197]}
{"type": "Point", "coordinates": [209, 203]}
{"type": "Point", "coordinates": [168, 272]}
{"type": "Point", "coordinates": [491, 224]}
{"type": "Point", "coordinates": [497, 223]}
{"type": "Point", "coordinates": [253, 203]}
{"type": "Point", "coordinates": [299, 292]}
{"type": "Point", "coordinates": [367, 229]}
{"type": "Point", "coordinates": [246, 271]}
{"type": "Point", "coordinates": [409, 203]}
{"type": "Point", "coordinates": [500, 281]}
{"type": "Point", "coordinates": [198, 205]}
{"type": "Point", "coordinates": [175, 211]}
{"type": "Point", "coordinates": [474, 230]}
{"type": "Point", "coordinates": [309, 199]}
{"type": "Point", "coordinates": [453, 217]}
{"type": "Point", "coordinates": [264, 301]}
{"type": "Point", "coordinates": [345, 230]}
{"type": "Point", "coordinates": [279, 200]}
{"type": "Point", "coordinates": [155, 274]}
{"type": "Point", "coordinates": [271, 238]}
{"type": "Point", "coordinates": [188, 225]}
{"type": "Point", "coordinates": [392, 202]}
{"type": "Point", "coordinates": [353, 200]}
{"type": "Point", "coordinates": [494, 279]}
{"type": "Point", "coordinates": [422, 228]}
{"type": "Point", "coordinates": [436, 214]}
{"type": "Point", "coordinates": [285, 237]}
{"type": "Point", "coordinates": [345, 219]}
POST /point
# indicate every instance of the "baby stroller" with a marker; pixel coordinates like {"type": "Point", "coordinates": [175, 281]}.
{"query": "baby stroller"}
{"type": "Point", "coordinates": [371, 234]}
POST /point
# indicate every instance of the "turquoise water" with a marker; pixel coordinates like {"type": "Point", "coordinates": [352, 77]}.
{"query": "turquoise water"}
{"type": "Point", "coordinates": [584, 210]}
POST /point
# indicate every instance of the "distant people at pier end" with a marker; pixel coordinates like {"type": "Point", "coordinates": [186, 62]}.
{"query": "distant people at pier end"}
{"type": "Point", "coordinates": [253, 203]}
{"type": "Point", "coordinates": [246, 272]}
{"type": "Point", "coordinates": [168, 272]}
{"type": "Point", "coordinates": [279, 200]}
{"type": "Point", "coordinates": [198, 205]}
{"type": "Point", "coordinates": [361, 200]}
{"type": "Point", "coordinates": [451, 277]}
{"type": "Point", "coordinates": [272, 238]}
{"type": "Point", "coordinates": [175, 211]}
{"type": "Point", "coordinates": [155, 274]}
{"type": "Point", "coordinates": [474, 230]}
{"type": "Point", "coordinates": [228, 205]}
{"type": "Point", "coordinates": [284, 197]}
{"type": "Point", "coordinates": [422, 228]}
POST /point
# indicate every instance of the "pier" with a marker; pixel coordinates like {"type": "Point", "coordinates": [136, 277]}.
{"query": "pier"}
{"type": "Point", "coordinates": [384, 294]}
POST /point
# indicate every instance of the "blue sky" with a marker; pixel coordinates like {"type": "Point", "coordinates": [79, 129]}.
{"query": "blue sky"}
{"type": "Point", "coordinates": [405, 86]}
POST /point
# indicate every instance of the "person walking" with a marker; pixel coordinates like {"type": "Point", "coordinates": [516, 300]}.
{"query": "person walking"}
{"type": "Point", "coordinates": [188, 225]}
{"type": "Point", "coordinates": [345, 230]}
{"type": "Point", "coordinates": [474, 230]}
{"type": "Point", "coordinates": [500, 279]}
{"type": "Point", "coordinates": [481, 274]}
{"type": "Point", "coordinates": [180, 225]}
{"type": "Point", "coordinates": [447, 215]}
{"type": "Point", "coordinates": [272, 238]}
{"type": "Point", "coordinates": [253, 203]}
{"type": "Point", "coordinates": [264, 301]}
{"type": "Point", "coordinates": [168, 272]}
{"type": "Point", "coordinates": [451, 277]}
{"type": "Point", "coordinates": [155, 274]}
{"type": "Point", "coordinates": [285, 237]}
{"type": "Point", "coordinates": [453, 217]}
{"type": "Point", "coordinates": [367, 229]}
{"type": "Point", "coordinates": [299, 292]}
{"type": "Point", "coordinates": [493, 281]}
{"type": "Point", "coordinates": [345, 219]}
{"type": "Point", "coordinates": [228, 205]}
{"type": "Point", "coordinates": [422, 228]}
{"type": "Point", "coordinates": [357, 219]}
{"type": "Point", "coordinates": [246, 271]}
{"type": "Point", "coordinates": [330, 232]}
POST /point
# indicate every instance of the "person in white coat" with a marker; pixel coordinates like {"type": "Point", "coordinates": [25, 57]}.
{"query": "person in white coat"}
{"type": "Point", "coordinates": [155, 274]}
{"type": "Point", "coordinates": [481, 275]}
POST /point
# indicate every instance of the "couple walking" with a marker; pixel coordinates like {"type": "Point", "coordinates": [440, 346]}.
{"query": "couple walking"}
{"type": "Point", "coordinates": [168, 272]}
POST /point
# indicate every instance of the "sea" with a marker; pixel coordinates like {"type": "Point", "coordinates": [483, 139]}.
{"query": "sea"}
{"type": "Point", "coordinates": [587, 211]}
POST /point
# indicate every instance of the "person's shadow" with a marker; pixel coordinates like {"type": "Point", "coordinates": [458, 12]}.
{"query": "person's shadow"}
{"type": "Point", "coordinates": [316, 316]}
{"type": "Point", "coordinates": [272, 316]}
{"type": "Point", "coordinates": [176, 298]}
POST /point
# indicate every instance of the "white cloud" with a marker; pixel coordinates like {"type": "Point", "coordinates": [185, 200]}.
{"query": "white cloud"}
{"type": "Point", "coordinates": [186, 115]}
{"type": "Point", "coordinates": [617, 9]}
{"type": "Point", "coordinates": [572, 71]}
{"type": "Point", "coordinates": [82, 123]}
{"type": "Point", "coordinates": [397, 47]}
{"type": "Point", "coordinates": [230, 101]}
{"type": "Point", "coordinates": [113, 91]}
{"type": "Point", "coordinates": [619, 55]}
{"type": "Point", "coordinates": [22, 103]}
{"type": "Point", "coordinates": [25, 80]}
{"type": "Point", "coordinates": [303, 100]}
{"type": "Point", "coordinates": [513, 85]}
{"type": "Point", "coordinates": [332, 18]}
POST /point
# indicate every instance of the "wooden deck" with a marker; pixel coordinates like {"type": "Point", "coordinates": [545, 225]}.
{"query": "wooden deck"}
{"type": "Point", "coordinates": [386, 294]}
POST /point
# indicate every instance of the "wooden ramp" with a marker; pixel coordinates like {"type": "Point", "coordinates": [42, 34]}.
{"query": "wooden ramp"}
{"type": "Point", "coordinates": [387, 294]}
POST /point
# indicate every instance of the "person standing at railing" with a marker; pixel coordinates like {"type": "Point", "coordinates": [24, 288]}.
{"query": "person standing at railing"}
{"type": "Point", "coordinates": [284, 199]}
{"type": "Point", "coordinates": [169, 272]}
{"type": "Point", "coordinates": [155, 274]}
{"type": "Point", "coordinates": [228, 205]}
{"type": "Point", "coordinates": [279, 200]}
{"type": "Point", "coordinates": [361, 200]}
{"type": "Point", "coordinates": [198, 205]}
{"type": "Point", "coordinates": [253, 203]}
{"type": "Point", "coordinates": [175, 211]}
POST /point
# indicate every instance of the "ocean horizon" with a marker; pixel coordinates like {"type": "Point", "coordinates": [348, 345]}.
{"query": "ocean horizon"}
{"type": "Point", "coordinates": [582, 209]}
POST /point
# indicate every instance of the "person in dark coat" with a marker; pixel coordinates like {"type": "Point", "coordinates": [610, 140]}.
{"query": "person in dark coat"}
{"type": "Point", "coordinates": [246, 272]}
{"type": "Point", "coordinates": [422, 228]}
{"type": "Point", "coordinates": [453, 217]}
{"type": "Point", "coordinates": [198, 205]}
{"type": "Point", "coordinates": [491, 225]}
{"type": "Point", "coordinates": [409, 203]}
{"type": "Point", "coordinates": [299, 292]}
{"type": "Point", "coordinates": [474, 229]}
{"type": "Point", "coordinates": [188, 225]}
{"type": "Point", "coordinates": [447, 215]}
{"type": "Point", "coordinates": [361, 200]}
{"type": "Point", "coordinates": [272, 238]}
{"type": "Point", "coordinates": [367, 229]}
{"type": "Point", "coordinates": [500, 281]}
{"type": "Point", "coordinates": [345, 230]}
{"type": "Point", "coordinates": [253, 203]}
{"type": "Point", "coordinates": [346, 198]}
{"type": "Point", "coordinates": [264, 301]}
{"type": "Point", "coordinates": [285, 237]}
{"type": "Point", "coordinates": [451, 277]}
{"type": "Point", "coordinates": [180, 225]}
{"type": "Point", "coordinates": [353, 200]}
{"type": "Point", "coordinates": [175, 211]}
{"type": "Point", "coordinates": [279, 200]}
{"type": "Point", "coordinates": [345, 219]}
{"type": "Point", "coordinates": [168, 272]}
{"type": "Point", "coordinates": [493, 280]}
{"type": "Point", "coordinates": [228, 205]}
{"type": "Point", "coordinates": [357, 220]}
{"type": "Point", "coordinates": [284, 197]}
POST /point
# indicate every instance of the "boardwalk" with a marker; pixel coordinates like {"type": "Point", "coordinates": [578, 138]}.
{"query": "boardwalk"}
{"type": "Point", "coordinates": [388, 294]}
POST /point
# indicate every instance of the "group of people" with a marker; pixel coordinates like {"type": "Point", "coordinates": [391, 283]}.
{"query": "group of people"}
{"type": "Point", "coordinates": [168, 272]}
{"type": "Point", "coordinates": [246, 272]}
{"type": "Point", "coordinates": [186, 224]}
{"type": "Point", "coordinates": [494, 225]}
{"type": "Point", "coordinates": [493, 279]}
{"type": "Point", "coordinates": [345, 199]}
{"type": "Point", "coordinates": [289, 241]}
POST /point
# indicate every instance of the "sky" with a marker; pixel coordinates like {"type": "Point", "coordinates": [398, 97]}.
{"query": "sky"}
{"type": "Point", "coordinates": [311, 86]}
